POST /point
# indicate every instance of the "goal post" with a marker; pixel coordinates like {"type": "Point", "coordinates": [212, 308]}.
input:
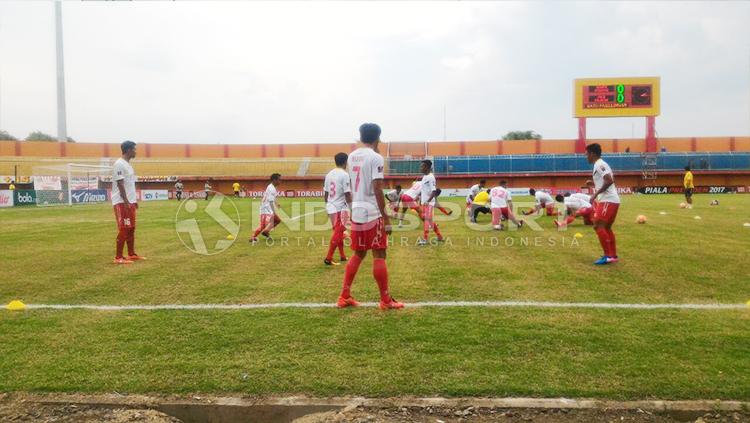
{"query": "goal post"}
{"type": "Point", "coordinates": [71, 184]}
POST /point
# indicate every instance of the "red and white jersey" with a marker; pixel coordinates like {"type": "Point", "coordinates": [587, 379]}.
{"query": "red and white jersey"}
{"type": "Point", "coordinates": [123, 171]}
{"type": "Point", "coordinates": [601, 168]}
{"type": "Point", "coordinates": [429, 184]}
{"type": "Point", "coordinates": [414, 191]}
{"type": "Point", "coordinates": [577, 203]}
{"type": "Point", "coordinates": [499, 198]}
{"type": "Point", "coordinates": [542, 197]}
{"type": "Point", "coordinates": [337, 184]}
{"type": "Point", "coordinates": [365, 166]}
{"type": "Point", "coordinates": [269, 198]}
{"type": "Point", "coordinates": [393, 196]}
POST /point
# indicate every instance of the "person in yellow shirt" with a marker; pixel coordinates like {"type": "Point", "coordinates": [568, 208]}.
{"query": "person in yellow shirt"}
{"type": "Point", "coordinates": [689, 187]}
{"type": "Point", "coordinates": [236, 189]}
{"type": "Point", "coordinates": [12, 186]}
{"type": "Point", "coordinates": [480, 205]}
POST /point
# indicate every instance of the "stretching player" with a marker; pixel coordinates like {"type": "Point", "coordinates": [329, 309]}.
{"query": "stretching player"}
{"type": "Point", "coordinates": [410, 200]}
{"type": "Point", "coordinates": [473, 191]}
{"type": "Point", "coordinates": [394, 199]}
{"type": "Point", "coordinates": [576, 205]}
{"type": "Point", "coordinates": [479, 205]}
{"type": "Point", "coordinates": [338, 197]}
{"type": "Point", "coordinates": [370, 223]}
{"type": "Point", "coordinates": [501, 204]}
{"type": "Point", "coordinates": [125, 203]}
{"type": "Point", "coordinates": [428, 195]}
{"type": "Point", "coordinates": [543, 201]}
{"type": "Point", "coordinates": [268, 217]}
{"type": "Point", "coordinates": [607, 203]}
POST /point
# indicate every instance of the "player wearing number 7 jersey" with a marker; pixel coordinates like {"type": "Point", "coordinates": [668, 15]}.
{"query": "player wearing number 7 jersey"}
{"type": "Point", "coordinates": [338, 196]}
{"type": "Point", "coordinates": [370, 222]}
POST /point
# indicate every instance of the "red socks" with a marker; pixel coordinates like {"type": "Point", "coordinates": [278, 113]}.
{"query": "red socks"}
{"type": "Point", "coordinates": [131, 241]}
{"type": "Point", "coordinates": [437, 231]}
{"type": "Point", "coordinates": [603, 239]}
{"type": "Point", "coordinates": [351, 271]}
{"type": "Point", "coordinates": [380, 272]}
{"type": "Point", "coordinates": [444, 210]}
{"type": "Point", "coordinates": [607, 240]}
{"type": "Point", "coordinates": [612, 244]}
{"type": "Point", "coordinates": [122, 236]}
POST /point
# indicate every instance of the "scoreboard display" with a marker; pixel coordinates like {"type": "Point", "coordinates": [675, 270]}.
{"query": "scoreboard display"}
{"type": "Point", "coordinates": [616, 97]}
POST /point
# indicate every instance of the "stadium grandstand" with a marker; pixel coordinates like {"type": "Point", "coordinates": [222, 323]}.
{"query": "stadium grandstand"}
{"type": "Point", "coordinates": [720, 161]}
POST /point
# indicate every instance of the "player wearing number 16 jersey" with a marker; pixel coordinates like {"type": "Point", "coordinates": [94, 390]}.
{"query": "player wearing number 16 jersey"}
{"type": "Point", "coordinates": [125, 203]}
{"type": "Point", "coordinates": [338, 196]}
{"type": "Point", "coordinates": [370, 222]}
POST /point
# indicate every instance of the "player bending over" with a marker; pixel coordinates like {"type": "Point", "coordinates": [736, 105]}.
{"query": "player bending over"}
{"type": "Point", "coordinates": [607, 203]}
{"type": "Point", "coordinates": [689, 187]}
{"type": "Point", "coordinates": [338, 197]}
{"type": "Point", "coordinates": [501, 204]}
{"type": "Point", "coordinates": [268, 216]}
{"type": "Point", "coordinates": [394, 199]}
{"type": "Point", "coordinates": [125, 203]}
{"type": "Point", "coordinates": [410, 200]}
{"type": "Point", "coordinates": [543, 201]}
{"type": "Point", "coordinates": [473, 191]}
{"type": "Point", "coordinates": [428, 195]}
{"type": "Point", "coordinates": [479, 205]}
{"type": "Point", "coordinates": [370, 223]}
{"type": "Point", "coordinates": [575, 205]}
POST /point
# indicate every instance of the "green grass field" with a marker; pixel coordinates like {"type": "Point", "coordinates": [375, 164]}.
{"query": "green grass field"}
{"type": "Point", "coordinates": [63, 256]}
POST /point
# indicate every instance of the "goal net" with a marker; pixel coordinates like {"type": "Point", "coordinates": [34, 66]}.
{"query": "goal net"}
{"type": "Point", "coordinates": [71, 184]}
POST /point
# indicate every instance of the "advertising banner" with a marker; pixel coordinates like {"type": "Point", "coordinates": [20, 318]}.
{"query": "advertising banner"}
{"type": "Point", "coordinates": [84, 182]}
{"type": "Point", "coordinates": [154, 194]}
{"type": "Point", "coordinates": [6, 198]}
{"type": "Point", "coordinates": [24, 197]}
{"type": "Point", "coordinates": [47, 183]}
{"type": "Point", "coordinates": [88, 196]}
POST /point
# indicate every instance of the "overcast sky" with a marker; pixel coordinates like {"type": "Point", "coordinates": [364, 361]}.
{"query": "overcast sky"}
{"type": "Point", "coordinates": [236, 72]}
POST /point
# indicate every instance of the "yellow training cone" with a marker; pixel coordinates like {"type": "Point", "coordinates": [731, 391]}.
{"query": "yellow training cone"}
{"type": "Point", "coordinates": [230, 237]}
{"type": "Point", "coordinates": [16, 305]}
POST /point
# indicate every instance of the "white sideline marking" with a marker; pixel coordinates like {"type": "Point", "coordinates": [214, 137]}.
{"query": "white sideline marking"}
{"type": "Point", "coordinates": [474, 304]}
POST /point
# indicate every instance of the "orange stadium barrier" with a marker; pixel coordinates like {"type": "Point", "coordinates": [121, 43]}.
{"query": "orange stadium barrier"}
{"type": "Point", "coordinates": [392, 149]}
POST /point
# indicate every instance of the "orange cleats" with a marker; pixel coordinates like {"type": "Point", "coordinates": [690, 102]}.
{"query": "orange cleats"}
{"type": "Point", "coordinates": [346, 302]}
{"type": "Point", "coordinates": [391, 304]}
{"type": "Point", "coordinates": [135, 257]}
{"type": "Point", "coordinates": [122, 261]}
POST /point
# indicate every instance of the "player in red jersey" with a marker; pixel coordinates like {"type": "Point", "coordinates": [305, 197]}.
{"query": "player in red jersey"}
{"type": "Point", "coordinates": [125, 204]}
{"type": "Point", "coordinates": [338, 197]}
{"type": "Point", "coordinates": [607, 203]}
{"type": "Point", "coordinates": [268, 216]}
{"type": "Point", "coordinates": [370, 223]}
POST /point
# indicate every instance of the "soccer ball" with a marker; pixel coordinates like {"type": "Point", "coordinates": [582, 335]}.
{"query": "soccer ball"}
{"type": "Point", "coordinates": [498, 227]}
{"type": "Point", "coordinates": [683, 205]}
{"type": "Point", "coordinates": [714, 202]}
{"type": "Point", "coordinates": [640, 219]}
